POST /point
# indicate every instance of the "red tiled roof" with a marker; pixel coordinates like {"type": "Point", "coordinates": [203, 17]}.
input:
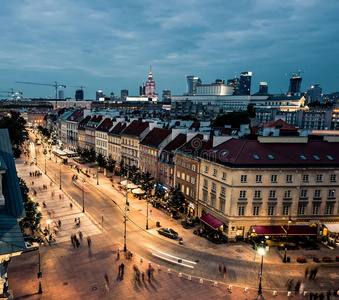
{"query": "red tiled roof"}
{"type": "Point", "coordinates": [136, 128]}
{"type": "Point", "coordinates": [279, 124]}
{"type": "Point", "coordinates": [106, 125]}
{"type": "Point", "coordinates": [96, 119]}
{"type": "Point", "coordinates": [155, 137]}
{"type": "Point", "coordinates": [251, 152]}
{"type": "Point", "coordinates": [176, 143]}
{"type": "Point", "coordinates": [85, 121]}
{"type": "Point", "coordinates": [195, 145]}
{"type": "Point", "coordinates": [76, 116]}
{"type": "Point", "coordinates": [118, 128]}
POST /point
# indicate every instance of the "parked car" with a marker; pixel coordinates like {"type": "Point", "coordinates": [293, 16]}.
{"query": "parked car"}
{"type": "Point", "coordinates": [168, 232]}
{"type": "Point", "coordinates": [31, 246]}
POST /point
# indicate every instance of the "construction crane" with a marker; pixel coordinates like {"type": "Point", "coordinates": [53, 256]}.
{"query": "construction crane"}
{"type": "Point", "coordinates": [12, 93]}
{"type": "Point", "coordinates": [295, 74]}
{"type": "Point", "coordinates": [56, 85]}
{"type": "Point", "coordinates": [80, 86]}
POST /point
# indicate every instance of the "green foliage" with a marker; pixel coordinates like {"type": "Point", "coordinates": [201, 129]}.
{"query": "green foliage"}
{"type": "Point", "coordinates": [16, 128]}
{"type": "Point", "coordinates": [33, 216]}
{"type": "Point", "coordinates": [177, 198]}
{"type": "Point", "coordinates": [251, 110]}
{"type": "Point", "coordinates": [44, 131]}
{"type": "Point", "coordinates": [147, 182]}
{"type": "Point", "coordinates": [235, 119]}
{"type": "Point", "coordinates": [101, 160]}
{"type": "Point", "coordinates": [159, 192]}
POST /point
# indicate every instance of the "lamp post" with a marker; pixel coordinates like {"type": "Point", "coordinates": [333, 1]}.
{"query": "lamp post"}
{"type": "Point", "coordinates": [39, 273]}
{"type": "Point", "coordinates": [127, 189]}
{"type": "Point", "coordinates": [147, 211]}
{"type": "Point", "coordinates": [98, 174]}
{"type": "Point", "coordinates": [288, 227]}
{"type": "Point", "coordinates": [126, 210]}
{"type": "Point", "coordinates": [45, 163]}
{"type": "Point", "coordinates": [83, 195]}
{"type": "Point", "coordinates": [60, 173]}
{"type": "Point", "coordinates": [261, 252]}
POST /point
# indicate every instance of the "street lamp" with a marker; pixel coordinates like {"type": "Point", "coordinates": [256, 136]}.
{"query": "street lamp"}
{"type": "Point", "coordinates": [125, 216]}
{"type": "Point", "coordinates": [261, 251]}
{"type": "Point", "coordinates": [60, 173]}
{"type": "Point", "coordinates": [127, 189]}
{"type": "Point", "coordinates": [147, 211]}
{"type": "Point", "coordinates": [288, 227]}
{"type": "Point", "coordinates": [83, 195]}
{"type": "Point", "coordinates": [45, 163]}
{"type": "Point", "coordinates": [40, 273]}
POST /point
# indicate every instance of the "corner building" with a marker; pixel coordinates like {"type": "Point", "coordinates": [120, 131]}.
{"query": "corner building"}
{"type": "Point", "coordinates": [244, 183]}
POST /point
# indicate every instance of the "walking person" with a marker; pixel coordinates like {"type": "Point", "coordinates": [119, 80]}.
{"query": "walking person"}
{"type": "Point", "coordinates": [306, 271]}
{"type": "Point", "coordinates": [106, 282]}
{"type": "Point", "coordinates": [149, 275]}
{"type": "Point", "coordinates": [297, 287]}
{"type": "Point", "coordinates": [122, 269]}
{"type": "Point", "coordinates": [71, 205]}
{"type": "Point", "coordinates": [328, 295]}
{"type": "Point", "coordinates": [59, 223]}
{"type": "Point", "coordinates": [224, 271]}
{"type": "Point", "coordinates": [89, 241]}
{"type": "Point", "coordinates": [219, 268]}
{"type": "Point", "coordinates": [143, 276]}
{"type": "Point", "coordinates": [118, 254]}
{"type": "Point", "coordinates": [321, 296]}
{"type": "Point", "coordinates": [311, 296]}
{"type": "Point", "coordinates": [80, 236]}
{"type": "Point", "coordinates": [119, 269]}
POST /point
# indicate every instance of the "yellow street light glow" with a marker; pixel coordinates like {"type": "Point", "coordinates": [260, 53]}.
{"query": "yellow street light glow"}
{"type": "Point", "coordinates": [261, 251]}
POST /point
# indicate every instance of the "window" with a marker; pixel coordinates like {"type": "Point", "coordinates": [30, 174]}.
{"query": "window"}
{"type": "Point", "coordinates": [319, 178]}
{"type": "Point", "coordinates": [187, 190]}
{"type": "Point", "coordinates": [333, 178]}
{"type": "Point", "coordinates": [214, 187]}
{"type": "Point", "coordinates": [205, 184]}
{"type": "Point", "coordinates": [273, 194]}
{"type": "Point", "coordinates": [223, 176]}
{"type": "Point", "coordinates": [215, 172]}
{"type": "Point", "coordinates": [255, 210]}
{"type": "Point", "coordinates": [182, 188]}
{"type": "Point", "coordinates": [270, 156]}
{"type": "Point", "coordinates": [301, 210]}
{"type": "Point", "coordinates": [241, 210]}
{"type": "Point", "coordinates": [178, 163]}
{"type": "Point", "coordinates": [316, 209]}
{"type": "Point", "coordinates": [303, 194]}
{"type": "Point", "coordinates": [317, 194]}
{"type": "Point", "coordinates": [306, 178]}
{"type": "Point", "coordinates": [242, 195]}
{"type": "Point", "coordinates": [204, 196]}
{"type": "Point", "coordinates": [206, 169]}
{"type": "Point", "coordinates": [286, 210]}
{"type": "Point", "coordinates": [243, 178]}
{"type": "Point", "coordinates": [316, 157]}
{"type": "Point", "coordinates": [183, 176]}
{"type": "Point", "coordinates": [257, 194]}
{"type": "Point", "coordinates": [223, 191]}
{"type": "Point", "coordinates": [289, 178]}
{"type": "Point", "coordinates": [331, 194]}
{"type": "Point", "coordinates": [213, 200]}
{"type": "Point", "coordinates": [183, 164]}
{"type": "Point", "coordinates": [329, 209]}
{"type": "Point", "coordinates": [329, 157]}
{"type": "Point", "coordinates": [258, 178]}
{"type": "Point", "coordinates": [287, 194]}
{"type": "Point", "coordinates": [274, 178]}
{"type": "Point", "coordinates": [193, 180]}
{"type": "Point", "coordinates": [193, 167]}
{"type": "Point", "coordinates": [188, 165]}
{"type": "Point", "coordinates": [255, 156]}
{"type": "Point", "coordinates": [270, 210]}
{"type": "Point", "coordinates": [188, 178]}
{"type": "Point", "coordinates": [178, 174]}
{"type": "Point", "coordinates": [303, 157]}
{"type": "Point", "coordinates": [222, 205]}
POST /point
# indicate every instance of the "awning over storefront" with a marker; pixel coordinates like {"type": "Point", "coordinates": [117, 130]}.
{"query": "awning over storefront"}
{"type": "Point", "coordinates": [332, 227]}
{"type": "Point", "coordinates": [300, 230]}
{"type": "Point", "coordinates": [211, 221]}
{"type": "Point", "coordinates": [268, 230]}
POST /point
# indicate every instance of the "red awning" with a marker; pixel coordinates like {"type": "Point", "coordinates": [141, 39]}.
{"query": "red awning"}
{"type": "Point", "coordinates": [268, 230]}
{"type": "Point", "coordinates": [211, 221]}
{"type": "Point", "coordinates": [300, 230]}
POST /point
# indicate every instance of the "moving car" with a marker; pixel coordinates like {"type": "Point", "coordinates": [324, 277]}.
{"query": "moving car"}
{"type": "Point", "coordinates": [31, 239]}
{"type": "Point", "coordinates": [168, 232]}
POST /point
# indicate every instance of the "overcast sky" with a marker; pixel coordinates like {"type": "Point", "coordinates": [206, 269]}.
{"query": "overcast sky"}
{"type": "Point", "coordinates": [110, 44]}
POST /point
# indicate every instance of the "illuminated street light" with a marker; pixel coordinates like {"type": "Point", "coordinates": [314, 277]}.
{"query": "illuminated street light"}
{"type": "Point", "coordinates": [261, 251]}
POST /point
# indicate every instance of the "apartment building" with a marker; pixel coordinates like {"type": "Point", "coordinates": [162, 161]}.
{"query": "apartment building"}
{"type": "Point", "coordinates": [90, 129]}
{"type": "Point", "coordinates": [72, 124]}
{"type": "Point", "coordinates": [101, 136]}
{"type": "Point", "coordinates": [245, 183]}
{"type": "Point", "coordinates": [114, 141]}
{"type": "Point", "coordinates": [82, 132]}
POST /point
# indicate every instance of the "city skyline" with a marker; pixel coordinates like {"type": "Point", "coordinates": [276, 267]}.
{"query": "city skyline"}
{"type": "Point", "coordinates": [110, 46]}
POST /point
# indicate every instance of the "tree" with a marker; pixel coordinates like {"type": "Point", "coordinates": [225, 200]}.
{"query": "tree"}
{"type": "Point", "coordinates": [235, 119]}
{"type": "Point", "coordinates": [17, 131]}
{"type": "Point", "coordinates": [44, 131]}
{"type": "Point", "coordinates": [101, 160]}
{"type": "Point", "coordinates": [159, 192]}
{"type": "Point", "coordinates": [147, 182]}
{"type": "Point", "coordinates": [251, 110]}
{"type": "Point", "coordinates": [33, 216]}
{"type": "Point", "coordinates": [177, 198]}
{"type": "Point", "coordinates": [91, 156]}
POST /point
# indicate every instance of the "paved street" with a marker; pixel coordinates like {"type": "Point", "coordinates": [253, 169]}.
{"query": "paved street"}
{"type": "Point", "coordinates": [76, 272]}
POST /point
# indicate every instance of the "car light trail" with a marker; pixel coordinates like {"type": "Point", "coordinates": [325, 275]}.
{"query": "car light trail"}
{"type": "Point", "coordinates": [172, 261]}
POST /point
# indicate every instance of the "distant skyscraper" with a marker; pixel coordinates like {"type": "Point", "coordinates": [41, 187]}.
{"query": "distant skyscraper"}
{"type": "Point", "coordinates": [191, 84]}
{"type": "Point", "coordinates": [61, 95]}
{"type": "Point", "coordinates": [245, 83]}
{"type": "Point", "coordinates": [142, 91]}
{"type": "Point", "coordinates": [99, 94]}
{"type": "Point", "coordinates": [263, 88]}
{"type": "Point", "coordinates": [235, 83]}
{"type": "Point", "coordinates": [123, 95]}
{"type": "Point", "coordinates": [166, 96]}
{"type": "Point", "coordinates": [314, 93]}
{"type": "Point", "coordinates": [150, 85]}
{"type": "Point", "coordinates": [295, 85]}
{"type": "Point", "coordinates": [79, 95]}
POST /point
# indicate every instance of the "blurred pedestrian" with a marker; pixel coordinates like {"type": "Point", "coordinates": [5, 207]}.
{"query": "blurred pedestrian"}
{"type": "Point", "coordinates": [306, 271]}
{"type": "Point", "coordinates": [224, 271]}
{"type": "Point", "coordinates": [143, 276]}
{"type": "Point", "coordinates": [118, 254]}
{"type": "Point", "coordinates": [80, 235]}
{"type": "Point", "coordinates": [122, 269]}
{"type": "Point", "coordinates": [106, 282]}
{"type": "Point", "coordinates": [89, 241]}
{"type": "Point", "coordinates": [219, 268]}
{"type": "Point", "coordinates": [149, 275]}
{"type": "Point", "coordinates": [71, 205]}
{"type": "Point", "coordinates": [297, 287]}
{"type": "Point", "coordinates": [119, 269]}
{"type": "Point", "coordinates": [321, 296]}
{"type": "Point", "coordinates": [328, 295]}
